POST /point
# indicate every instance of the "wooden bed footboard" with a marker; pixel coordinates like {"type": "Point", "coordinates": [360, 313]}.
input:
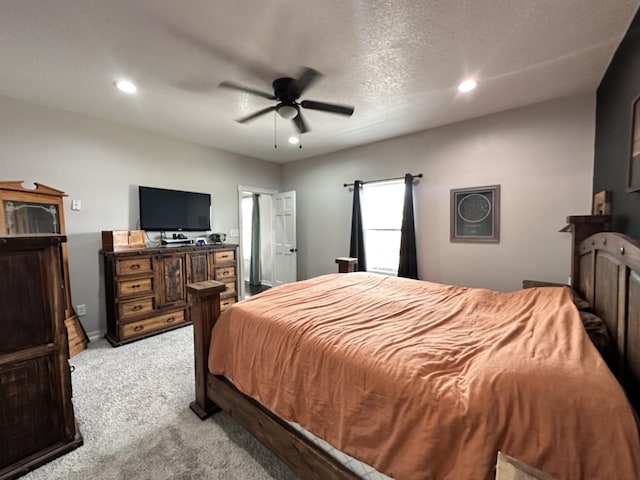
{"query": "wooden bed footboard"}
{"type": "Point", "coordinates": [303, 456]}
{"type": "Point", "coordinates": [215, 393]}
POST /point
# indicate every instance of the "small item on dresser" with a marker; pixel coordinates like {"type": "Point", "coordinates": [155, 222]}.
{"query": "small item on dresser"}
{"type": "Point", "coordinates": [218, 237]}
{"type": "Point", "coordinates": [118, 240]}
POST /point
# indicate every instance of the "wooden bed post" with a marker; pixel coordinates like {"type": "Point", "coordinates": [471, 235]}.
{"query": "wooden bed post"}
{"type": "Point", "coordinates": [581, 227]}
{"type": "Point", "coordinates": [346, 264]}
{"type": "Point", "coordinates": [205, 310]}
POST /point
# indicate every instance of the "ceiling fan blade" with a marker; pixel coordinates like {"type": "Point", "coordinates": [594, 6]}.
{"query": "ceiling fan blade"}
{"type": "Point", "coordinates": [241, 88]}
{"type": "Point", "coordinates": [301, 125]}
{"type": "Point", "coordinates": [256, 114]}
{"type": "Point", "coordinates": [306, 78]}
{"type": "Point", "coordinates": [327, 107]}
{"type": "Point", "coordinates": [149, 16]}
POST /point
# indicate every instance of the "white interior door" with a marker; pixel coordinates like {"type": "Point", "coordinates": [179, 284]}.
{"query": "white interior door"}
{"type": "Point", "coordinates": [284, 222]}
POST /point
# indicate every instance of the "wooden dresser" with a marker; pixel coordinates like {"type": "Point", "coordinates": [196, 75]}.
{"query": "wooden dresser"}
{"type": "Point", "coordinates": [146, 288]}
{"type": "Point", "coordinates": [37, 423]}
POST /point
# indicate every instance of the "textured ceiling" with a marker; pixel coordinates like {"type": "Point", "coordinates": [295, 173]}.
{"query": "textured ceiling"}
{"type": "Point", "coordinates": [398, 62]}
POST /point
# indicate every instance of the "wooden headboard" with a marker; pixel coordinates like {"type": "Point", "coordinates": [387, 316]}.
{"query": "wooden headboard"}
{"type": "Point", "coordinates": [606, 273]}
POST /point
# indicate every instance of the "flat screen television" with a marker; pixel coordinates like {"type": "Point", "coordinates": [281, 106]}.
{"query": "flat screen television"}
{"type": "Point", "coordinates": [163, 210]}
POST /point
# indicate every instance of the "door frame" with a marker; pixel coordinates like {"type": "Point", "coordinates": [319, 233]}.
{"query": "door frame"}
{"type": "Point", "coordinates": [240, 260]}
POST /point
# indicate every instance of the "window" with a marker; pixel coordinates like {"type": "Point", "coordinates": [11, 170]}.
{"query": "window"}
{"type": "Point", "coordinates": [382, 205]}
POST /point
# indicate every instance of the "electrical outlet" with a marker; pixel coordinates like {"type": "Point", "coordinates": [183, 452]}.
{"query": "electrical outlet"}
{"type": "Point", "coordinates": [76, 205]}
{"type": "Point", "coordinates": [81, 310]}
{"type": "Point", "coordinates": [234, 233]}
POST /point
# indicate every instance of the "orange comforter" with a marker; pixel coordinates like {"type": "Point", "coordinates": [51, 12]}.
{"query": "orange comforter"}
{"type": "Point", "coordinates": [429, 381]}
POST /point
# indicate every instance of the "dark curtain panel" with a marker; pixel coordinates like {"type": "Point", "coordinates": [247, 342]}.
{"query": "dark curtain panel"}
{"type": "Point", "coordinates": [357, 234]}
{"type": "Point", "coordinates": [408, 261]}
{"type": "Point", "coordinates": [254, 267]}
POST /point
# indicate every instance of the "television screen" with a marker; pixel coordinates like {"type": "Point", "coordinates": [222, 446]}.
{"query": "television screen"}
{"type": "Point", "coordinates": [163, 210]}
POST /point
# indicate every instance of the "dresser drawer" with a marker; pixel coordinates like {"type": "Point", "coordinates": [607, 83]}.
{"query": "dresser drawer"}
{"type": "Point", "coordinates": [150, 325]}
{"type": "Point", "coordinates": [135, 307]}
{"type": "Point", "coordinates": [224, 256]}
{"type": "Point", "coordinates": [231, 286]}
{"type": "Point", "coordinates": [139, 286]}
{"type": "Point", "coordinates": [223, 273]}
{"type": "Point", "coordinates": [132, 266]}
{"type": "Point", "coordinates": [226, 303]}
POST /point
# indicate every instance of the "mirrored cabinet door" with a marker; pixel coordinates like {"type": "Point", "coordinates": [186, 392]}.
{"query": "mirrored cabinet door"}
{"type": "Point", "coordinates": [31, 217]}
{"type": "Point", "coordinates": [30, 211]}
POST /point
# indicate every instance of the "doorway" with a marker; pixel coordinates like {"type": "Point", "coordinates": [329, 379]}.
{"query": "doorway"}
{"type": "Point", "coordinates": [258, 231]}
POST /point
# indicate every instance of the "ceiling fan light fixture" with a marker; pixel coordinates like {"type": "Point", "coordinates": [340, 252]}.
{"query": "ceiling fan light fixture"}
{"type": "Point", "coordinates": [287, 91]}
{"type": "Point", "coordinates": [287, 111]}
{"type": "Point", "coordinates": [293, 140]}
{"type": "Point", "coordinates": [467, 85]}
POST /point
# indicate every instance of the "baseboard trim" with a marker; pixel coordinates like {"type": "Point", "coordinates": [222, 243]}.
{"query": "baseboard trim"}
{"type": "Point", "coordinates": [96, 335]}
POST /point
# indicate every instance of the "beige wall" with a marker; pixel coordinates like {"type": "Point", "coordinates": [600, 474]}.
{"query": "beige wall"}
{"type": "Point", "coordinates": [102, 165]}
{"type": "Point", "coordinates": [542, 156]}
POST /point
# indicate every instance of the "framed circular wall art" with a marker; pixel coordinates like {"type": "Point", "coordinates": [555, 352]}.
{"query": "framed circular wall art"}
{"type": "Point", "coordinates": [475, 214]}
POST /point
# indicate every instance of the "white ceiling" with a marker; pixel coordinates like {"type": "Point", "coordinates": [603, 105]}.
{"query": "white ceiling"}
{"type": "Point", "coordinates": [398, 62]}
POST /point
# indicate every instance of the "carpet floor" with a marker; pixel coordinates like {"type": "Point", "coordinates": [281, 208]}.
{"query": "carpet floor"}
{"type": "Point", "coordinates": [132, 407]}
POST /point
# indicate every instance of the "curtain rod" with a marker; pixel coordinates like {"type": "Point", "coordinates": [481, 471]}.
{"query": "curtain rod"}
{"type": "Point", "coordinates": [383, 180]}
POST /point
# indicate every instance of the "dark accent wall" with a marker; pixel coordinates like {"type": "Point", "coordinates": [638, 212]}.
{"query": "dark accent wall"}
{"type": "Point", "coordinates": [616, 94]}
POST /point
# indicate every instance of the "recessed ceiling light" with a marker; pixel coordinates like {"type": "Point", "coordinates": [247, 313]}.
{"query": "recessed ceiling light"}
{"type": "Point", "coordinates": [125, 86]}
{"type": "Point", "coordinates": [293, 140]}
{"type": "Point", "coordinates": [467, 85]}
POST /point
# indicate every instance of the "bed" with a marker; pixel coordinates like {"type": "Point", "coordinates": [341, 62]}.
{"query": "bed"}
{"type": "Point", "coordinates": [453, 445]}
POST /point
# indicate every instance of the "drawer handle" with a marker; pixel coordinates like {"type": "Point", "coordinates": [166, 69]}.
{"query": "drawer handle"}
{"type": "Point", "coordinates": [225, 272]}
{"type": "Point", "coordinates": [171, 319]}
{"type": "Point", "coordinates": [138, 328]}
{"type": "Point", "coordinates": [135, 308]}
{"type": "Point", "coordinates": [137, 285]}
{"type": "Point", "coordinates": [135, 266]}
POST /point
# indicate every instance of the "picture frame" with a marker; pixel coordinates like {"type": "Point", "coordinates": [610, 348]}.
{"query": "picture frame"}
{"type": "Point", "coordinates": [633, 170]}
{"type": "Point", "coordinates": [475, 214]}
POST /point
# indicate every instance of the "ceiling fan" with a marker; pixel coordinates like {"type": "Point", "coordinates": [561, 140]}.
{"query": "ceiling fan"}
{"type": "Point", "coordinates": [287, 91]}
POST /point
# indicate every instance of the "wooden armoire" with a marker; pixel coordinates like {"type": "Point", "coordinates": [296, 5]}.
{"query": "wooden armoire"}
{"type": "Point", "coordinates": [37, 422]}
{"type": "Point", "coordinates": [40, 210]}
